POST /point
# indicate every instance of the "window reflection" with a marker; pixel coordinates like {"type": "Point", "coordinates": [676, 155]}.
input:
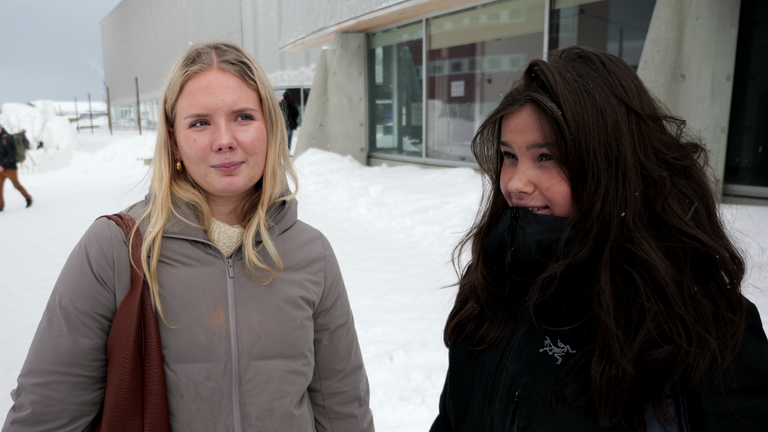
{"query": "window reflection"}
{"type": "Point", "coordinates": [616, 26]}
{"type": "Point", "coordinates": [395, 82]}
{"type": "Point", "coordinates": [473, 56]}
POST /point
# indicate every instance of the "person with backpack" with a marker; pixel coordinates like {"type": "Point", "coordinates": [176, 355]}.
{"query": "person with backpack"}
{"type": "Point", "coordinates": [8, 168]}
{"type": "Point", "coordinates": [22, 145]}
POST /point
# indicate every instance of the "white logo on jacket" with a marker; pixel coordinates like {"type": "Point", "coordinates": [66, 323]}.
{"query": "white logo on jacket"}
{"type": "Point", "coordinates": [556, 351]}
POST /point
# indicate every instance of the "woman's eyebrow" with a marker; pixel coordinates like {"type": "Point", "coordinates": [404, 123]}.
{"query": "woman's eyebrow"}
{"type": "Point", "coordinates": [244, 109]}
{"type": "Point", "coordinates": [194, 115]}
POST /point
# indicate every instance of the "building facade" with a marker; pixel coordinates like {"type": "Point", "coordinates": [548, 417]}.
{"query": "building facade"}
{"type": "Point", "coordinates": [409, 81]}
{"type": "Point", "coordinates": [141, 40]}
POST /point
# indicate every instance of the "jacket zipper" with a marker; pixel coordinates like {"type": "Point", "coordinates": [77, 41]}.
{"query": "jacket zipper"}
{"type": "Point", "coordinates": [512, 232]}
{"type": "Point", "coordinates": [232, 330]}
{"type": "Point", "coordinates": [500, 371]}
{"type": "Point", "coordinates": [233, 341]}
{"type": "Point", "coordinates": [511, 420]}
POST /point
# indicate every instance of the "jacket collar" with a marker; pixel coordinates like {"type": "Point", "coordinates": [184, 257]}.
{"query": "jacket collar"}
{"type": "Point", "coordinates": [527, 243]}
{"type": "Point", "coordinates": [280, 217]}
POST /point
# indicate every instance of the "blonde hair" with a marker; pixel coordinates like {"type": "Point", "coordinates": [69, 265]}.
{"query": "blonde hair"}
{"type": "Point", "coordinates": [169, 186]}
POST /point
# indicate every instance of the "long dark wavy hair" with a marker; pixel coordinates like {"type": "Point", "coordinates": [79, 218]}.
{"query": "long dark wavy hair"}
{"type": "Point", "coordinates": [657, 269]}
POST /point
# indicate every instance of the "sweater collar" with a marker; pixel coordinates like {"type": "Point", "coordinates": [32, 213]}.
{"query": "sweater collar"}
{"type": "Point", "coordinates": [280, 217]}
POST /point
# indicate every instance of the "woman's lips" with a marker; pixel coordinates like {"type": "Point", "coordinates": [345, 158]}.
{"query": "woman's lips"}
{"type": "Point", "coordinates": [227, 167]}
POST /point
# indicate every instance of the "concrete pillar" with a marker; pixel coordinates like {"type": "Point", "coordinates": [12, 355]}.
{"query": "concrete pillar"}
{"type": "Point", "coordinates": [248, 27]}
{"type": "Point", "coordinates": [335, 116]}
{"type": "Point", "coordinates": [688, 63]}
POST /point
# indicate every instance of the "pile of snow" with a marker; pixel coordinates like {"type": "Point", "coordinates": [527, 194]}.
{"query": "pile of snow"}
{"type": "Point", "coordinates": [41, 124]}
{"type": "Point", "coordinates": [392, 228]}
{"type": "Point", "coordinates": [292, 78]}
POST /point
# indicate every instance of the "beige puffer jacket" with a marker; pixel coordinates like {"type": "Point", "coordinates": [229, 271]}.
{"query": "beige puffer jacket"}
{"type": "Point", "coordinates": [239, 355]}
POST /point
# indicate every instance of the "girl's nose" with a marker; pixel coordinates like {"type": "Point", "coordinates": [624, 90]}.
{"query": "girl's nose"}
{"type": "Point", "coordinates": [520, 182]}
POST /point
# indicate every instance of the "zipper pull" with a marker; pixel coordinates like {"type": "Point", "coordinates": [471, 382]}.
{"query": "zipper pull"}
{"type": "Point", "coordinates": [513, 410]}
{"type": "Point", "coordinates": [230, 268]}
{"type": "Point", "coordinates": [511, 233]}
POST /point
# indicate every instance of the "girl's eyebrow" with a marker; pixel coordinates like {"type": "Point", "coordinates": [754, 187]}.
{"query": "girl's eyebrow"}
{"type": "Point", "coordinates": [532, 146]}
{"type": "Point", "coordinates": [536, 146]}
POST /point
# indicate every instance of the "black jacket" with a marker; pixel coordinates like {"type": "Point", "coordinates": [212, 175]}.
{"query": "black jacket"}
{"type": "Point", "coordinates": [509, 386]}
{"type": "Point", "coordinates": [7, 151]}
{"type": "Point", "coordinates": [290, 114]}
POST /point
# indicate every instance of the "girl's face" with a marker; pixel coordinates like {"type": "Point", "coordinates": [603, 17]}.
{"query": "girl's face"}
{"type": "Point", "coordinates": [529, 176]}
{"type": "Point", "coordinates": [220, 134]}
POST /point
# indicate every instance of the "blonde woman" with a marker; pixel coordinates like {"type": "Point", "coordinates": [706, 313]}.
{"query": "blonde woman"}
{"type": "Point", "coordinates": [256, 328]}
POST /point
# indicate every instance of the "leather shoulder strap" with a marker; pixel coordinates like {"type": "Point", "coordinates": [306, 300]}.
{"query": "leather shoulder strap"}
{"type": "Point", "coordinates": [135, 397]}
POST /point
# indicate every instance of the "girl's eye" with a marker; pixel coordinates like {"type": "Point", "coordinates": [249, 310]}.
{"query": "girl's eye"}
{"type": "Point", "coordinates": [508, 155]}
{"type": "Point", "coordinates": [245, 117]}
{"type": "Point", "coordinates": [199, 123]}
{"type": "Point", "coordinates": [544, 157]}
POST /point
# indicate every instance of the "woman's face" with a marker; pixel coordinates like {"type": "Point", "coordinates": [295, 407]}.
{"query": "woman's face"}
{"type": "Point", "coordinates": [220, 134]}
{"type": "Point", "coordinates": [529, 176]}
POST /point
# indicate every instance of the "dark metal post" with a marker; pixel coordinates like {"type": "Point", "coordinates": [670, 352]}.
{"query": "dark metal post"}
{"type": "Point", "coordinates": [109, 112]}
{"type": "Point", "coordinates": [90, 112]}
{"type": "Point", "coordinates": [138, 105]}
{"type": "Point", "coordinates": [621, 42]}
{"type": "Point", "coordinates": [77, 116]}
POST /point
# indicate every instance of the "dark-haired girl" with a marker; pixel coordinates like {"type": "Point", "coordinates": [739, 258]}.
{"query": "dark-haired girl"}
{"type": "Point", "coordinates": [603, 292]}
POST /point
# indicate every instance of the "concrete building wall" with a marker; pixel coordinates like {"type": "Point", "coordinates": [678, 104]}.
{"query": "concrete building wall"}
{"type": "Point", "coordinates": [303, 17]}
{"type": "Point", "coordinates": [143, 38]}
{"type": "Point", "coordinates": [688, 63]}
{"type": "Point", "coordinates": [335, 118]}
{"type": "Point", "coordinates": [267, 20]}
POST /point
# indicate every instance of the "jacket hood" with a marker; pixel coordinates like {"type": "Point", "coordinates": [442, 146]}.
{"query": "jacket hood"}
{"type": "Point", "coordinates": [184, 223]}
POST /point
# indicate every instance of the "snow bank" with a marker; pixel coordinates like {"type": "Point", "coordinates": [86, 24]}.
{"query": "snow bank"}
{"type": "Point", "coordinates": [292, 78]}
{"type": "Point", "coordinates": [58, 131]}
{"type": "Point", "coordinates": [41, 161]}
{"type": "Point", "coordinates": [16, 117]}
{"type": "Point", "coordinates": [41, 124]}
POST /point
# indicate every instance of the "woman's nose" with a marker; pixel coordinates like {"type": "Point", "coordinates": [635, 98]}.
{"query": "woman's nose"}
{"type": "Point", "coordinates": [224, 139]}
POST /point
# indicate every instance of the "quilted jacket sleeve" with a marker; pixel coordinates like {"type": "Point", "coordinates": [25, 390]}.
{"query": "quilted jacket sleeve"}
{"type": "Point", "coordinates": [61, 385]}
{"type": "Point", "coordinates": [339, 388]}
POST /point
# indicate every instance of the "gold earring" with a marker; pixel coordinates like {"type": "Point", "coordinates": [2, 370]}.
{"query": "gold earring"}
{"type": "Point", "coordinates": [180, 166]}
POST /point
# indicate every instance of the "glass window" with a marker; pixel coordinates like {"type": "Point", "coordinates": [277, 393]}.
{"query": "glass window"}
{"type": "Point", "coordinates": [473, 56]}
{"type": "Point", "coordinates": [616, 26]}
{"type": "Point", "coordinates": [395, 91]}
{"type": "Point", "coordinates": [746, 161]}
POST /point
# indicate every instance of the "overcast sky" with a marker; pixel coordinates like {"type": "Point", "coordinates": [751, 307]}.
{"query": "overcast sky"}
{"type": "Point", "coordinates": [51, 49]}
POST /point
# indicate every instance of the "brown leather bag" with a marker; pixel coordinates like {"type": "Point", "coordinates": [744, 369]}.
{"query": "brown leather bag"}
{"type": "Point", "coordinates": [135, 398]}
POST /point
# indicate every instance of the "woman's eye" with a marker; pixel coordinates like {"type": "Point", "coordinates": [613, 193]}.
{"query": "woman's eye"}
{"type": "Point", "coordinates": [199, 123]}
{"type": "Point", "coordinates": [245, 117]}
{"type": "Point", "coordinates": [546, 157]}
{"type": "Point", "coordinates": [508, 155]}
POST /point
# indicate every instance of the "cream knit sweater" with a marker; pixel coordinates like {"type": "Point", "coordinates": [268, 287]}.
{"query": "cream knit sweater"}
{"type": "Point", "coordinates": [226, 237]}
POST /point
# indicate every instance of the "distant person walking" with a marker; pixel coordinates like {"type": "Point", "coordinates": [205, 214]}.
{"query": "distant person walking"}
{"type": "Point", "coordinates": [290, 114]}
{"type": "Point", "coordinates": [8, 169]}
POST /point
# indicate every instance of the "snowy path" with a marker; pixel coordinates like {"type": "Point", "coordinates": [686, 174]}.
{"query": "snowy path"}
{"type": "Point", "coordinates": [392, 229]}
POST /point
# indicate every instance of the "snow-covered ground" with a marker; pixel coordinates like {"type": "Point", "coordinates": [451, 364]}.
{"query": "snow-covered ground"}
{"type": "Point", "coordinates": [392, 228]}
